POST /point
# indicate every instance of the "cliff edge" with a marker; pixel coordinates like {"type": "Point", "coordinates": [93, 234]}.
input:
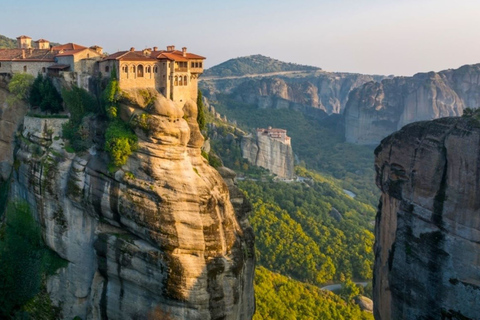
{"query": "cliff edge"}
{"type": "Point", "coordinates": [427, 248]}
{"type": "Point", "coordinates": [158, 238]}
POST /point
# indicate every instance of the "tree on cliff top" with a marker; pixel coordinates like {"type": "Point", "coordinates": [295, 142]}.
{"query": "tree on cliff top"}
{"type": "Point", "coordinates": [44, 94]}
{"type": "Point", "coordinates": [19, 87]}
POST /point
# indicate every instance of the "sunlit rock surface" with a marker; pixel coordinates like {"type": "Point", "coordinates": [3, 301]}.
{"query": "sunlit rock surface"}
{"type": "Point", "coordinates": [157, 239]}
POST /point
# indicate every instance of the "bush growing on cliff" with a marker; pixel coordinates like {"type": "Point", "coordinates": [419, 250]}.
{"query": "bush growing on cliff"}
{"type": "Point", "coordinates": [120, 142]}
{"type": "Point", "coordinates": [201, 112]}
{"type": "Point", "coordinates": [19, 87]}
{"type": "Point", "coordinates": [111, 95]}
{"type": "Point", "coordinates": [79, 103]}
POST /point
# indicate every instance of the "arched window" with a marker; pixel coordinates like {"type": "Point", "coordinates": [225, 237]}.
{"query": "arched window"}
{"type": "Point", "coordinates": [184, 80]}
{"type": "Point", "coordinates": [24, 68]}
{"type": "Point", "coordinates": [140, 71]}
{"type": "Point", "coordinates": [107, 68]}
{"type": "Point", "coordinates": [43, 69]}
{"type": "Point", "coordinates": [125, 68]}
{"type": "Point", "coordinates": [176, 80]}
{"type": "Point", "coordinates": [180, 82]}
{"type": "Point", "coordinates": [132, 69]}
{"type": "Point", "coordinates": [155, 69]}
{"type": "Point", "coordinates": [200, 65]}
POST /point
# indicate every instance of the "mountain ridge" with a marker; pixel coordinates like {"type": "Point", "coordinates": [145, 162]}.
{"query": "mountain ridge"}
{"type": "Point", "coordinates": [254, 64]}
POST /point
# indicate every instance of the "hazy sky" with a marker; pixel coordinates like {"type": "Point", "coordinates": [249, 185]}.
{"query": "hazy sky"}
{"type": "Point", "coordinates": [398, 37]}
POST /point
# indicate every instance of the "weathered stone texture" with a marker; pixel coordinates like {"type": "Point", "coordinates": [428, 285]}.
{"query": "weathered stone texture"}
{"type": "Point", "coordinates": [158, 238]}
{"type": "Point", "coordinates": [427, 250]}
{"type": "Point", "coordinates": [269, 153]}
{"type": "Point", "coordinates": [377, 109]}
{"type": "Point", "coordinates": [10, 119]}
{"type": "Point", "coordinates": [317, 94]}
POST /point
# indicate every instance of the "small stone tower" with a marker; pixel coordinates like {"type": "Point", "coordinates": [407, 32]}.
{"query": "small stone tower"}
{"type": "Point", "coordinates": [42, 44]}
{"type": "Point", "coordinates": [24, 42]}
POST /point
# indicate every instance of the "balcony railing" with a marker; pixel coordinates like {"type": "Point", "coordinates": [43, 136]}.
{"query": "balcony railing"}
{"type": "Point", "coordinates": [181, 69]}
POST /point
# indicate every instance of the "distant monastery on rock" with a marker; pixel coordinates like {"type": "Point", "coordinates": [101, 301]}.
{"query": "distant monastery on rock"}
{"type": "Point", "coordinates": [171, 72]}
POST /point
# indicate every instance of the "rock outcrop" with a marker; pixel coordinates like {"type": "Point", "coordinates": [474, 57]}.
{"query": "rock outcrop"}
{"type": "Point", "coordinates": [377, 109]}
{"type": "Point", "coordinates": [316, 93]}
{"type": "Point", "coordinates": [270, 149]}
{"type": "Point", "coordinates": [157, 239]}
{"type": "Point", "coordinates": [11, 117]}
{"type": "Point", "coordinates": [427, 249]}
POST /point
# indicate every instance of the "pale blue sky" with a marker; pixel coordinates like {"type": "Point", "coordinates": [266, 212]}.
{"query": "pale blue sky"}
{"type": "Point", "coordinates": [399, 37]}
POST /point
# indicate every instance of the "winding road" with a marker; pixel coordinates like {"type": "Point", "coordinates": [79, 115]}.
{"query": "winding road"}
{"type": "Point", "coordinates": [337, 286]}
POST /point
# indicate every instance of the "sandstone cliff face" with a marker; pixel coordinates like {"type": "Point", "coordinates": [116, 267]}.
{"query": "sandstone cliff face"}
{"type": "Point", "coordinates": [375, 110]}
{"type": "Point", "coordinates": [272, 154]}
{"type": "Point", "coordinates": [157, 239]}
{"type": "Point", "coordinates": [427, 250]}
{"type": "Point", "coordinates": [315, 93]}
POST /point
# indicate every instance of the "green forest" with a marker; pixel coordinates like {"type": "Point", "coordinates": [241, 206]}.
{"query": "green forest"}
{"type": "Point", "coordinates": [279, 297]}
{"type": "Point", "coordinates": [311, 231]}
{"type": "Point", "coordinates": [307, 233]}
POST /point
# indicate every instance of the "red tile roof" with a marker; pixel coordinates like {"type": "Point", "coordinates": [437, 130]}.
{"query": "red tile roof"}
{"type": "Point", "coordinates": [129, 56]}
{"type": "Point", "coordinates": [24, 37]}
{"type": "Point", "coordinates": [70, 52]}
{"type": "Point", "coordinates": [162, 54]}
{"type": "Point", "coordinates": [41, 40]}
{"type": "Point", "coordinates": [178, 55]}
{"type": "Point", "coordinates": [30, 55]}
{"type": "Point", "coordinates": [68, 46]}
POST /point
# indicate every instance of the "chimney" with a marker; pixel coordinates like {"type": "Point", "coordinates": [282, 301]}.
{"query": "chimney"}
{"type": "Point", "coordinates": [132, 49]}
{"type": "Point", "coordinates": [146, 52]}
{"type": "Point", "coordinates": [30, 51]}
{"type": "Point", "coordinates": [155, 48]}
{"type": "Point", "coordinates": [23, 54]}
{"type": "Point", "coordinates": [184, 51]}
{"type": "Point", "coordinates": [170, 48]}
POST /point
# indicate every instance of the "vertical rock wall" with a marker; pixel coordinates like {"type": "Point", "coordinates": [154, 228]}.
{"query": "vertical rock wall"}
{"type": "Point", "coordinates": [269, 153]}
{"type": "Point", "coordinates": [377, 109]}
{"type": "Point", "coordinates": [156, 239]}
{"type": "Point", "coordinates": [427, 249]}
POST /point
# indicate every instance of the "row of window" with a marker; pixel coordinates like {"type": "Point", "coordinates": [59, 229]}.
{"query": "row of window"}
{"type": "Point", "coordinates": [196, 65]}
{"type": "Point", "coordinates": [180, 81]}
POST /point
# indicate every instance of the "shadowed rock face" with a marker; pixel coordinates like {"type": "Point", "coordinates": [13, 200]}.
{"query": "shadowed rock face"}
{"type": "Point", "coordinates": [377, 109]}
{"type": "Point", "coordinates": [427, 249]}
{"type": "Point", "coordinates": [157, 239]}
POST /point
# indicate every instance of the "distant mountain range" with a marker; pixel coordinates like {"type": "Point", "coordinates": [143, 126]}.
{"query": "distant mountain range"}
{"type": "Point", "coordinates": [255, 64]}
